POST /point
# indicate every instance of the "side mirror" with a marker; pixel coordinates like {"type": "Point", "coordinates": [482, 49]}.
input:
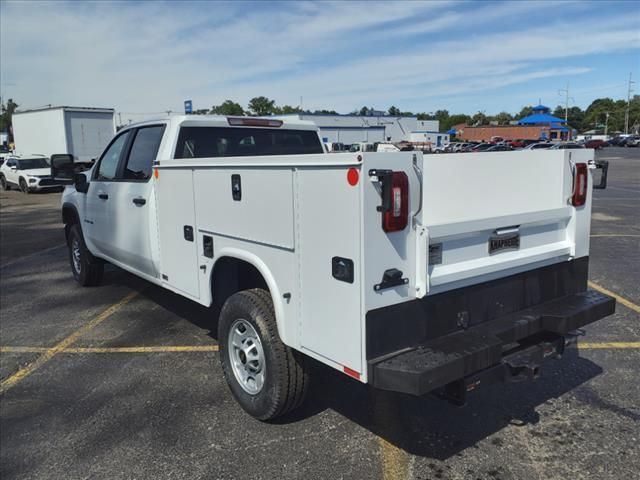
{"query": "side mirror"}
{"type": "Point", "coordinates": [604, 166]}
{"type": "Point", "coordinates": [13, 167]}
{"type": "Point", "coordinates": [62, 168]}
{"type": "Point", "coordinates": [80, 182]}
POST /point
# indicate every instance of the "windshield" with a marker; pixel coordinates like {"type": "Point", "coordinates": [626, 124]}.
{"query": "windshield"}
{"type": "Point", "coordinates": [31, 163]}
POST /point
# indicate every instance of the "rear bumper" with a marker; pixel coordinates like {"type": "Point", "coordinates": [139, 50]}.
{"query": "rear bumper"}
{"type": "Point", "coordinates": [511, 346]}
{"type": "Point", "coordinates": [482, 345]}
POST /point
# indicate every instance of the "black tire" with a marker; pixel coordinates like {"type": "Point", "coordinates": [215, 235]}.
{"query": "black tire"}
{"type": "Point", "coordinates": [286, 371]}
{"type": "Point", "coordinates": [86, 269]}
{"type": "Point", "coordinates": [4, 184]}
{"type": "Point", "coordinates": [23, 186]}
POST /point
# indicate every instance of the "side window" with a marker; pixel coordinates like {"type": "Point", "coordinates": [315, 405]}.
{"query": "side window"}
{"type": "Point", "coordinates": [143, 152]}
{"type": "Point", "coordinates": [109, 161]}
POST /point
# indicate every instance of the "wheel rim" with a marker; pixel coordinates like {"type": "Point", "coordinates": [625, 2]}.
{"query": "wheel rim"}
{"type": "Point", "coordinates": [246, 356]}
{"type": "Point", "coordinates": [75, 255]}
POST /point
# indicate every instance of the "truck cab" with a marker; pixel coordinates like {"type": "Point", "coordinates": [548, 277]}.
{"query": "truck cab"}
{"type": "Point", "coordinates": [412, 274]}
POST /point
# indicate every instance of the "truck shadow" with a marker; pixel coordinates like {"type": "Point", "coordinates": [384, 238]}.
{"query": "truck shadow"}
{"type": "Point", "coordinates": [423, 426]}
{"type": "Point", "coordinates": [430, 427]}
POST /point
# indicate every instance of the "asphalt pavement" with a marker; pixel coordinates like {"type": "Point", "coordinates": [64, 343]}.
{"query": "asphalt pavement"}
{"type": "Point", "coordinates": [122, 381]}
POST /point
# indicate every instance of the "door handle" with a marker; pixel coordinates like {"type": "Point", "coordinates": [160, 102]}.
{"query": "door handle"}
{"type": "Point", "coordinates": [103, 196]}
{"type": "Point", "coordinates": [139, 201]}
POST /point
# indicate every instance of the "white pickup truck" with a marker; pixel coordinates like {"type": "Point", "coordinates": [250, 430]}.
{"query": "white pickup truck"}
{"type": "Point", "coordinates": [412, 274]}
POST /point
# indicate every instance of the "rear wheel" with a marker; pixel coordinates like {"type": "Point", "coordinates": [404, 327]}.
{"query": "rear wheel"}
{"type": "Point", "coordinates": [267, 378]}
{"type": "Point", "coordinates": [87, 269]}
{"type": "Point", "coordinates": [4, 184]}
{"type": "Point", "coordinates": [23, 186]}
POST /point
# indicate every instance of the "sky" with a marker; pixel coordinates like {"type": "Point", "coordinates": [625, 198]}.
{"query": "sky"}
{"type": "Point", "coordinates": [143, 58]}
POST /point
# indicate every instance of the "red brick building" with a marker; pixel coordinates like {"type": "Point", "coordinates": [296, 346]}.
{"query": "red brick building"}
{"type": "Point", "coordinates": [541, 125]}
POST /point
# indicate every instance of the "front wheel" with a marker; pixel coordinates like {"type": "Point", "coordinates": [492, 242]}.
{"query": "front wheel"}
{"type": "Point", "coordinates": [4, 184]}
{"type": "Point", "coordinates": [267, 378]}
{"type": "Point", "coordinates": [23, 186]}
{"type": "Point", "coordinates": [87, 270]}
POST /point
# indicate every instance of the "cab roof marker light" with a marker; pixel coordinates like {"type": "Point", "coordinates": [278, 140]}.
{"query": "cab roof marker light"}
{"type": "Point", "coordinates": [253, 122]}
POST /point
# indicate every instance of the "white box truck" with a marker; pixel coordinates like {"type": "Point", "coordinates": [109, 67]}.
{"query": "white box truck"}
{"type": "Point", "coordinates": [412, 274]}
{"type": "Point", "coordinates": [78, 131]}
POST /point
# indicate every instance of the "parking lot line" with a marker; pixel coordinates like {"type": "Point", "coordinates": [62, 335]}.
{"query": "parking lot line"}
{"type": "Point", "coordinates": [31, 255]}
{"type": "Point", "coordinates": [216, 348]}
{"type": "Point", "coordinates": [602, 345]}
{"type": "Point", "coordinates": [613, 235]}
{"type": "Point", "coordinates": [152, 349]}
{"type": "Point", "coordinates": [63, 344]}
{"type": "Point", "coordinates": [627, 303]}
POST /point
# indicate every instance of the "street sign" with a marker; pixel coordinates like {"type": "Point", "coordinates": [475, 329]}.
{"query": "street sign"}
{"type": "Point", "coordinates": [188, 106]}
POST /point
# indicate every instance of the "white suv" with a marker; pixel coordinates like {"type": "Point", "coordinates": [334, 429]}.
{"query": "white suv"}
{"type": "Point", "coordinates": [29, 173]}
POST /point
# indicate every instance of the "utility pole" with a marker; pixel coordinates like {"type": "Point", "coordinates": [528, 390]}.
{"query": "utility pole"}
{"type": "Point", "coordinates": [565, 91]}
{"type": "Point", "coordinates": [301, 104]}
{"type": "Point", "coordinates": [606, 123]}
{"type": "Point", "coordinates": [120, 117]}
{"type": "Point", "coordinates": [626, 113]}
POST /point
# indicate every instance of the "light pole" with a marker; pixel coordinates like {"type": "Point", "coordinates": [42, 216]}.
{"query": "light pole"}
{"type": "Point", "coordinates": [606, 123]}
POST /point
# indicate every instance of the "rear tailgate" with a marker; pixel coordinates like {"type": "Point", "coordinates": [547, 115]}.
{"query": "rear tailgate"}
{"type": "Point", "coordinates": [517, 202]}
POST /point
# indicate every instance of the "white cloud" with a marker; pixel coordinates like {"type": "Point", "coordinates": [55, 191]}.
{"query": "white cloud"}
{"type": "Point", "coordinates": [148, 57]}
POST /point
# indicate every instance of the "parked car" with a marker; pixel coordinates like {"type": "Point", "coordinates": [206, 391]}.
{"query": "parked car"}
{"type": "Point", "coordinates": [633, 141]}
{"type": "Point", "coordinates": [619, 140]}
{"type": "Point", "coordinates": [28, 173]}
{"type": "Point", "coordinates": [499, 148]}
{"type": "Point", "coordinates": [537, 146]}
{"type": "Point", "coordinates": [477, 147]}
{"type": "Point", "coordinates": [566, 146]}
{"type": "Point", "coordinates": [596, 144]}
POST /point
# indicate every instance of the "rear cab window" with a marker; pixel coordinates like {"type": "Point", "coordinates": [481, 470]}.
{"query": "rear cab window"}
{"type": "Point", "coordinates": [205, 142]}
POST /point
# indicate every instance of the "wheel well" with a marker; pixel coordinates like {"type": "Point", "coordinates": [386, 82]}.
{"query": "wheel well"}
{"type": "Point", "coordinates": [69, 218]}
{"type": "Point", "coordinates": [231, 275]}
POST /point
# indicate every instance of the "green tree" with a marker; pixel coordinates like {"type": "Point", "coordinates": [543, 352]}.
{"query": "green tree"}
{"type": "Point", "coordinates": [288, 109]}
{"type": "Point", "coordinates": [503, 118]}
{"type": "Point", "coordinates": [5, 118]}
{"type": "Point", "coordinates": [426, 116]}
{"type": "Point", "coordinates": [453, 120]}
{"type": "Point", "coordinates": [364, 111]}
{"type": "Point", "coordinates": [394, 111]}
{"type": "Point", "coordinates": [575, 116]}
{"type": "Point", "coordinates": [260, 106]}
{"type": "Point", "coordinates": [479, 119]}
{"type": "Point", "coordinates": [228, 107]}
{"type": "Point", "coordinates": [525, 112]}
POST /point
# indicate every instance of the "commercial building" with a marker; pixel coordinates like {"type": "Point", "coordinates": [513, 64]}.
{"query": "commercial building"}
{"type": "Point", "coordinates": [349, 129]}
{"type": "Point", "coordinates": [540, 125]}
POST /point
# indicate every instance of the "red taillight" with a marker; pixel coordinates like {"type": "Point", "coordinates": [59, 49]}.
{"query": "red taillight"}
{"type": "Point", "coordinates": [580, 183]}
{"type": "Point", "coordinates": [396, 217]}
{"type": "Point", "coordinates": [253, 122]}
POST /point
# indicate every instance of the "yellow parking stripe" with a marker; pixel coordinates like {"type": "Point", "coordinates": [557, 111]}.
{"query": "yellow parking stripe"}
{"type": "Point", "coordinates": [49, 353]}
{"type": "Point", "coordinates": [618, 298]}
{"type": "Point", "coordinates": [602, 345]}
{"type": "Point", "coordinates": [216, 348]}
{"type": "Point", "coordinates": [613, 235]}
{"type": "Point", "coordinates": [154, 349]}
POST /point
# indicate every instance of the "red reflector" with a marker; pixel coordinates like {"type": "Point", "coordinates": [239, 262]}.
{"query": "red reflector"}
{"type": "Point", "coordinates": [580, 184]}
{"type": "Point", "coordinates": [253, 122]}
{"type": "Point", "coordinates": [353, 176]}
{"type": "Point", "coordinates": [396, 218]}
{"type": "Point", "coordinates": [351, 373]}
